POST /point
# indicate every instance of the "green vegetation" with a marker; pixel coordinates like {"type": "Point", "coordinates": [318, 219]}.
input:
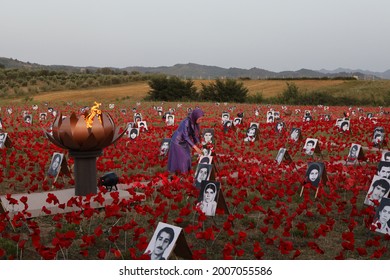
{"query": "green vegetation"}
{"type": "Point", "coordinates": [164, 88]}
{"type": "Point", "coordinates": [25, 84]}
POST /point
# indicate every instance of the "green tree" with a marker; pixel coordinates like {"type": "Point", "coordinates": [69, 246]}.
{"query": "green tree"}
{"type": "Point", "coordinates": [291, 94]}
{"type": "Point", "coordinates": [171, 88]}
{"type": "Point", "coordinates": [224, 90]}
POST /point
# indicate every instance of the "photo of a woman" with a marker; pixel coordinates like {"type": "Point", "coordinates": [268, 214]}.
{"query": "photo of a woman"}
{"type": "Point", "coordinates": [208, 198]}
{"type": "Point", "coordinates": [314, 173]}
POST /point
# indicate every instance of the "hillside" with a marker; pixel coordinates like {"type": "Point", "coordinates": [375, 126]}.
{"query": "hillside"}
{"type": "Point", "coordinates": [197, 71]}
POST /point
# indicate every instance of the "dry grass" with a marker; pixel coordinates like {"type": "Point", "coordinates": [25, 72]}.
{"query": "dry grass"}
{"type": "Point", "coordinates": [270, 88]}
{"type": "Point", "coordinates": [139, 90]}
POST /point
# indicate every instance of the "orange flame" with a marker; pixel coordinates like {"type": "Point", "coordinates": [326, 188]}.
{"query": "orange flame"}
{"type": "Point", "coordinates": [93, 112]}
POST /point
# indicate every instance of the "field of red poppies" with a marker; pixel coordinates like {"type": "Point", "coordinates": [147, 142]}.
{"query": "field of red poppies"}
{"type": "Point", "coordinates": [267, 219]}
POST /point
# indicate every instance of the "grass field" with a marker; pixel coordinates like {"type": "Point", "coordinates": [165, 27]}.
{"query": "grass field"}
{"type": "Point", "coordinates": [268, 88]}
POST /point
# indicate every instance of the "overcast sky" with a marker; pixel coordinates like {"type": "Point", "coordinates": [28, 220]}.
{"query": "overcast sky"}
{"type": "Point", "coordinates": [275, 35]}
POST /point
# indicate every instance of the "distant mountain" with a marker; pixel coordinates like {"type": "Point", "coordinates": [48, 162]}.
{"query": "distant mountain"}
{"type": "Point", "coordinates": [382, 75]}
{"type": "Point", "coordinates": [197, 71]}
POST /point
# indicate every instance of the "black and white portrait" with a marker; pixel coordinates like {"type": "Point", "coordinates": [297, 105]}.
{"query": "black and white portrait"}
{"type": "Point", "coordinates": [225, 116]}
{"type": "Point", "coordinates": [227, 125]}
{"type": "Point", "coordinates": [133, 133]}
{"type": "Point", "coordinates": [163, 241]}
{"type": "Point", "coordinates": [208, 197]}
{"type": "Point", "coordinates": [381, 221]}
{"type": "Point", "coordinates": [344, 125]}
{"type": "Point", "coordinates": [280, 155]}
{"type": "Point", "coordinates": [42, 116]}
{"type": "Point", "coordinates": [251, 134]}
{"type": "Point", "coordinates": [384, 169]}
{"type": "Point", "coordinates": [28, 119]}
{"type": "Point", "coordinates": [379, 136]}
{"type": "Point", "coordinates": [202, 173]}
{"type": "Point", "coordinates": [310, 146]}
{"type": "Point", "coordinates": [295, 134]}
{"type": "Point", "coordinates": [385, 155]}
{"type": "Point", "coordinates": [3, 138]}
{"type": "Point", "coordinates": [205, 159]}
{"type": "Point", "coordinates": [164, 147]}
{"type": "Point", "coordinates": [314, 173]}
{"type": "Point", "coordinates": [379, 188]}
{"type": "Point", "coordinates": [123, 111]}
{"type": "Point", "coordinates": [353, 153]}
{"type": "Point", "coordinates": [237, 121]}
{"type": "Point", "coordinates": [208, 136]}
{"type": "Point", "coordinates": [170, 120]}
{"type": "Point", "coordinates": [270, 117]}
{"type": "Point", "coordinates": [142, 125]}
{"type": "Point", "coordinates": [55, 164]}
{"type": "Point", "coordinates": [279, 127]}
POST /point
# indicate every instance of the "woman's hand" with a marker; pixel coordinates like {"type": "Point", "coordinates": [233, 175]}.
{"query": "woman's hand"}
{"type": "Point", "coordinates": [199, 151]}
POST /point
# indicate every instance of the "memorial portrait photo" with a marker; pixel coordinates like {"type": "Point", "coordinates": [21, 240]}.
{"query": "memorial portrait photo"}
{"type": "Point", "coordinates": [133, 133]}
{"type": "Point", "coordinates": [164, 147]}
{"type": "Point", "coordinates": [314, 173]}
{"type": "Point", "coordinates": [208, 197]}
{"type": "Point", "coordinates": [353, 152]}
{"type": "Point", "coordinates": [384, 169]}
{"type": "Point", "coordinates": [55, 164]}
{"type": "Point", "coordinates": [251, 134]}
{"type": "Point", "coordinates": [295, 134]}
{"type": "Point", "coordinates": [379, 188]}
{"type": "Point", "coordinates": [170, 120]}
{"type": "Point", "coordinates": [385, 155]}
{"type": "Point", "coordinates": [310, 146]}
{"type": "Point", "coordinates": [280, 155]}
{"type": "Point", "coordinates": [162, 242]}
{"type": "Point", "coordinates": [208, 136]}
{"type": "Point", "coordinates": [382, 217]}
{"type": "Point", "coordinates": [3, 138]}
{"type": "Point", "coordinates": [202, 173]}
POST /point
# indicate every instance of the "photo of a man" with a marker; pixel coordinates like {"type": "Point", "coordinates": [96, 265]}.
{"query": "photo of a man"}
{"type": "Point", "coordinates": [310, 146]}
{"type": "Point", "coordinates": [170, 120]}
{"type": "Point", "coordinates": [379, 188]}
{"type": "Point", "coordinates": [162, 241]}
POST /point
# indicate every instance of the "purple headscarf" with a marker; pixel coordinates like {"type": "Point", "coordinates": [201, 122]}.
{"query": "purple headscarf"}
{"type": "Point", "coordinates": [195, 115]}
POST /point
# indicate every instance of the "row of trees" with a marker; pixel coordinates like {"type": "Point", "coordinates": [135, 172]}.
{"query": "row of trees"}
{"type": "Point", "coordinates": [23, 82]}
{"type": "Point", "coordinates": [165, 88]}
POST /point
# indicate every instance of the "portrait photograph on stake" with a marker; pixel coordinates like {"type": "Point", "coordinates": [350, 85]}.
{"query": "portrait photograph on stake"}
{"type": "Point", "coordinates": [355, 153]}
{"type": "Point", "coordinates": [381, 222]}
{"type": "Point", "coordinates": [314, 173]}
{"type": "Point", "coordinates": [164, 147]}
{"type": "Point", "coordinates": [295, 134]}
{"type": "Point", "coordinates": [208, 197]}
{"type": "Point", "coordinates": [163, 241]}
{"type": "Point", "coordinates": [379, 188]}
{"type": "Point", "coordinates": [202, 173]}
{"type": "Point", "coordinates": [310, 146]}
{"type": "Point", "coordinates": [55, 164]}
{"type": "Point", "coordinates": [208, 136]}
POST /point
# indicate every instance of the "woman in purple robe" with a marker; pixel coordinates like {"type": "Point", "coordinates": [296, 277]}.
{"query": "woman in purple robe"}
{"type": "Point", "coordinates": [183, 139]}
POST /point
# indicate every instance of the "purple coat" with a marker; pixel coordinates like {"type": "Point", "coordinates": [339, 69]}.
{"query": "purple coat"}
{"type": "Point", "coordinates": [182, 140]}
